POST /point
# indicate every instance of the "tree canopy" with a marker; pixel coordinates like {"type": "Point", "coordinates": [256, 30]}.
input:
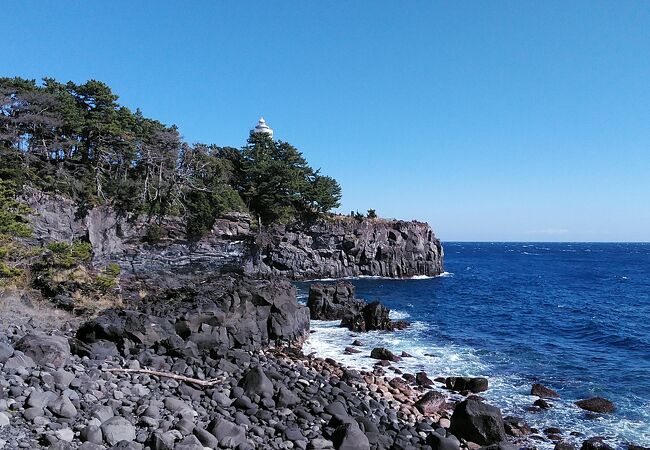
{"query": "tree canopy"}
{"type": "Point", "coordinates": [77, 140]}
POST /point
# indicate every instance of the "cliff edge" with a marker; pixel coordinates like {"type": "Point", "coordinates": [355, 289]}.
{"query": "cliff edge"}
{"type": "Point", "coordinates": [333, 247]}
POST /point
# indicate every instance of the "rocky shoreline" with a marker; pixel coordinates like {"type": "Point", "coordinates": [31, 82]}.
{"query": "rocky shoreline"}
{"type": "Point", "coordinates": [218, 365]}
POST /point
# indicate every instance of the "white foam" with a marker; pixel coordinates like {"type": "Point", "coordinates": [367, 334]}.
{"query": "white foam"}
{"type": "Point", "coordinates": [508, 392]}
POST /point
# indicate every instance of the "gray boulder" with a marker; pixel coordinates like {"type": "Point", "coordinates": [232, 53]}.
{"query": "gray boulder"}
{"type": "Point", "coordinates": [45, 349]}
{"type": "Point", "coordinates": [227, 433]}
{"type": "Point", "coordinates": [117, 429]}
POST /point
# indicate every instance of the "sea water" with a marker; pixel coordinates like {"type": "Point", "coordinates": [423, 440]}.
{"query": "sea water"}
{"type": "Point", "coordinates": [575, 317]}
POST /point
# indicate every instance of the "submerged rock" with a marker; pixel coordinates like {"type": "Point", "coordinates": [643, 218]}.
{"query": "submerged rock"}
{"type": "Point", "coordinates": [542, 391]}
{"type": "Point", "coordinates": [597, 405]}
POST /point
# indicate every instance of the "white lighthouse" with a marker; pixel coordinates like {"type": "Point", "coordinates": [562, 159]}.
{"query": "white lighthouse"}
{"type": "Point", "coordinates": [262, 127]}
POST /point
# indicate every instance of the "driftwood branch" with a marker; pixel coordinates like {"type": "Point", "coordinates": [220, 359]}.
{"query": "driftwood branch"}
{"type": "Point", "coordinates": [207, 383]}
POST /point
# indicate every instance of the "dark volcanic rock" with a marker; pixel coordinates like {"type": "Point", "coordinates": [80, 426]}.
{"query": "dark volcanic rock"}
{"type": "Point", "coordinates": [45, 349]}
{"type": "Point", "coordinates": [333, 301]}
{"type": "Point", "coordinates": [472, 384]}
{"type": "Point", "coordinates": [596, 404]}
{"type": "Point", "coordinates": [595, 443]}
{"type": "Point", "coordinates": [542, 391]}
{"type": "Point", "coordinates": [383, 354]}
{"type": "Point", "coordinates": [477, 422]}
{"type": "Point", "coordinates": [345, 247]}
{"type": "Point", "coordinates": [224, 312]}
{"type": "Point", "coordinates": [349, 436]}
{"type": "Point", "coordinates": [336, 247]}
{"type": "Point", "coordinates": [255, 382]}
{"type": "Point", "coordinates": [516, 426]}
{"type": "Point", "coordinates": [430, 403]}
{"type": "Point", "coordinates": [439, 442]}
{"type": "Point", "coordinates": [373, 316]}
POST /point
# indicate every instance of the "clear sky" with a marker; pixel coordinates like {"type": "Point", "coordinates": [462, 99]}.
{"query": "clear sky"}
{"type": "Point", "coordinates": [491, 120]}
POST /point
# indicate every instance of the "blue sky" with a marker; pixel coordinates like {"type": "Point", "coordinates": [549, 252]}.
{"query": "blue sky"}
{"type": "Point", "coordinates": [504, 120]}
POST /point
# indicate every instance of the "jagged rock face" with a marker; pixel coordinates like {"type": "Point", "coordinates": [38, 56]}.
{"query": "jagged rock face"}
{"type": "Point", "coordinates": [337, 248]}
{"type": "Point", "coordinates": [227, 312]}
{"type": "Point", "coordinates": [333, 301]}
{"type": "Point", "coordinates": [347, 248]}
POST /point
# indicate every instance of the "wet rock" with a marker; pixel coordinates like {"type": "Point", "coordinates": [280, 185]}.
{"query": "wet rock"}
{"type": "Point", "coordinates": [543, 392]}
{"type": "Point", "coordinates": [564, 445]}
{"type": "Point", "coordinates": [501, 446]}
{"type": "Point", "coordinates": [541, 403]}
{"type": "Point", "coordinates": [597, 405]}
{"type": "Point", "coordinates": [477, 422]}
{"type": "Point", "coordinates": [383, 354]}
{"type": "Point", "coordinates": [595, 443]}
{"type": "Point", "coordinates": [472, 384]}
{"type": "Point", "coordinates": [333, 301]}
{"type": "Point", "coordinates": [516, 426]}
{"type": "Point", "coordinates": [422, 379]}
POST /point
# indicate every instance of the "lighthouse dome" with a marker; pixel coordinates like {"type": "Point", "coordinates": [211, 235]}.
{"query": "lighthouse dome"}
{"type": "Point", "coordinates": [262, 127]}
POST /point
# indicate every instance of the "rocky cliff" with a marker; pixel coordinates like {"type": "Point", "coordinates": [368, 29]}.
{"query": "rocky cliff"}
{"type": "Point", "coordinates": [333, 248]}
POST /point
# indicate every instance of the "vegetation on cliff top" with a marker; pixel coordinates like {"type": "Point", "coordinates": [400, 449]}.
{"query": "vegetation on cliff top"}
{"type": "Point", "coordinates": [77, 140]}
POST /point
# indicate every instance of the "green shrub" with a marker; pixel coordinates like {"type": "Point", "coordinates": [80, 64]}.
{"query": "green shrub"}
{"type": "Point", "coordinates": [155, 233]}
{"type": "Point", "coordinates": [107, 280]}
{"type": "Point", "coordinates": [66, 255]}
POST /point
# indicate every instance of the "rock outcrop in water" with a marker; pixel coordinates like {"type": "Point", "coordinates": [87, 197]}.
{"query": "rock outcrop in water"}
{"type": "Point", "coordinates": [329, 248]}
{"type": "Point", "coordinates": [338, 302]}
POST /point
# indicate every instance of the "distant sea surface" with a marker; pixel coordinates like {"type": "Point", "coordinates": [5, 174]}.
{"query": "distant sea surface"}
{"type": "Point", "coordinates": [575, 317]}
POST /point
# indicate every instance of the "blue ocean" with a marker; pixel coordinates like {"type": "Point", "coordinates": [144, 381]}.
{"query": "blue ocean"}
{"type": "Point", "coordinates": [573, 316]}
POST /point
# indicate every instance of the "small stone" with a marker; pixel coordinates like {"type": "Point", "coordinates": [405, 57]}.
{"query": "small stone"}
{"type": "Point", "coordinates": [65, 434]}
{"type": "Point", "coordinates": [118, 429]}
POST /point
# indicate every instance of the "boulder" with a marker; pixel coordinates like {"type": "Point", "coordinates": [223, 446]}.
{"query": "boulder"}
{"type": "Point", "coordinates": [431, 403]}
{"type": "Point", "coordinates": [333, 301]}
{"type": "Point", "coordinates": [516, 426]}
{"type": "Point", "coordinates": [543, 392]}
{"type": "Point", "coordinates": [477, 422]}
{"type": "Point", "coordinates": [472, 384]}
{"type": "Point", "coordinates": [255, 382]}
{"type": "Point", "coordinates": [6, 352]}
{"type": "Point", "coordinates": [62, 407]}
{"type": "Point", "coordinates": [596, 404]}
{"type": "Point", "coordinates": [596, 443]}
{"type": "Point", "coordinates": [117, 429]}
{"type": "Point", "coordinates": [348, 436]}
{"type": "Point", "coordinates": [373, 316]}
{"type": "Point", "coordinates": [383, 354]}
{"type": "Point", "coordinates": [227, 433]}
{"type": "Point", "coordinates": [440, 441]}
{"type": "Point", "coordinates": [45, 349]}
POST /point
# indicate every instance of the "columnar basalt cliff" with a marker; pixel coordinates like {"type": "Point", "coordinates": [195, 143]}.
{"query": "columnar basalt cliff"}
{"type": "Point", "coordinates": [345, 247]}
{"type": "Point", "coordinates": [336, 247]}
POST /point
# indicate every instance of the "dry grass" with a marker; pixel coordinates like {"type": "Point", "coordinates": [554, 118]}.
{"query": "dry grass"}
{"type": "Point", "coordinates": [20, 306]}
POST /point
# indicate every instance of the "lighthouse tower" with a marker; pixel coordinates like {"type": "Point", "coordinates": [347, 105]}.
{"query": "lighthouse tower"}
{"type": "Point", "coordinates": [262, 127]}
